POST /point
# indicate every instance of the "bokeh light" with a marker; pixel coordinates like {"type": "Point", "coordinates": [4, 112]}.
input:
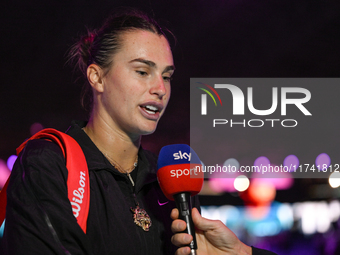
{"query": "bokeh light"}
{"type": "Point", "coordinates": [35, 128]}
{"type": "Point", "coordinates": [281, 180]}
{"type": "Point", "coordinates": [262, 161]}
{"type": "Point", "coordinates": [334, 180]}
{"type": "Point", "coordinates": [241, 183]}
{"type": "Point", "coordinates": [323, 161]}
{"type": "Point", "coordinates": [292, 162]}
{"type": "Point", "coordinates": [232, 162]}
{"type": "Point", "coordinates": [4, 173]}
{"type": "Point", "coordinates": [10, 161]}
{"type": "Point", "coordinates": [261, 192]}
{"type": "Point", "coordinates": [224, 181]}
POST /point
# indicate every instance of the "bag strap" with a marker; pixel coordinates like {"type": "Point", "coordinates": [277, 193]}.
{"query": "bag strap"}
{"type": "Point", "coordinates": [78, 184]}
{"type": "Point", "coordinates": [3, 202]}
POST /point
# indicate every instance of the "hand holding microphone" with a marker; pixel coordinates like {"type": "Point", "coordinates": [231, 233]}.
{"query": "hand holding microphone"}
{"type": "Point", "coordinates": [179, 178]}
{"type": "Point", "coordinates": [213, 237]}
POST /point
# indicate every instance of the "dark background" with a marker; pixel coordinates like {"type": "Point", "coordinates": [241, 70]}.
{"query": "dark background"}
{"type": "Point", "coordinates": [215, 38]}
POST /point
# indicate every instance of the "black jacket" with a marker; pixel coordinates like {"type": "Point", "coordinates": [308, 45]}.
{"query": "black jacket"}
{"type": "Point", "coordinates": [39, 218]}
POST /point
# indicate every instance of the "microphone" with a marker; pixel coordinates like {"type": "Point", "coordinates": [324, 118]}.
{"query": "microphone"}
{"type": "Point", "coordinates": [179, 177]}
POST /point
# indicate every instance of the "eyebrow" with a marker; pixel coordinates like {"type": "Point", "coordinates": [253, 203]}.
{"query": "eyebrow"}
{"type": "Point", "coordinates": [152, 64]}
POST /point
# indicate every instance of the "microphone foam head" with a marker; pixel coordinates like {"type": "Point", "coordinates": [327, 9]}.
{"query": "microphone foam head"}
{"type": "Point", "coordinates": [179, 170]}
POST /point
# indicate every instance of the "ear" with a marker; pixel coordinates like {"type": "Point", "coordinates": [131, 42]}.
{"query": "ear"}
{"type": "Point", "coordinates": [94, 76]}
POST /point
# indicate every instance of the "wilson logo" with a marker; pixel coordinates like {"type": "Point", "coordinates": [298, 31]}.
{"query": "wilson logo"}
{"type": "Point", "coordinates": [78, 195]}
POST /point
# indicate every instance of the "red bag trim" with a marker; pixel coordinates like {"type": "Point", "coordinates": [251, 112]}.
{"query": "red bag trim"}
{"type": "Point", "coordinates": [78, 183]}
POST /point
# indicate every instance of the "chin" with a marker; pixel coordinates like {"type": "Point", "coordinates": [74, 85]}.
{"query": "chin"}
{"type": "Point", "coordinates": [148, 133]}
{"type": "Point", "coordinates": [148, 130]}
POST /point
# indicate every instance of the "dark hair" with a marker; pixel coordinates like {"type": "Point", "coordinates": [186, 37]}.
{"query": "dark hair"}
{"type": "Point", "coordinates": [99, 46]}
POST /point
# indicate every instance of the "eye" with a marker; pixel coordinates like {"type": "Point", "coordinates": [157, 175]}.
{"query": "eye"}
{"type": "Point", "coordinates": [142, 73]}
{"type": "Point", "coordinates": [167, 78]}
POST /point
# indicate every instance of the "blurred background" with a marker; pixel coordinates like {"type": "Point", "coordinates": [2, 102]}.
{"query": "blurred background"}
{"type": "Point", "coordinates": [215, 38]}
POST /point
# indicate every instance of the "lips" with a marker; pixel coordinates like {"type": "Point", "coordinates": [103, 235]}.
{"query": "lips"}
{"type": "Point", "coordinates": [151, 110]}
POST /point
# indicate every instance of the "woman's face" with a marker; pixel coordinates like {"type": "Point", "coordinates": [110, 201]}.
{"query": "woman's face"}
{"type": "Point", "coordinates": [136, 90]}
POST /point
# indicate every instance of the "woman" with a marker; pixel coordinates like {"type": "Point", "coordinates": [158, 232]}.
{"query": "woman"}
{"type": "Point", "coordinates": [128, 64]}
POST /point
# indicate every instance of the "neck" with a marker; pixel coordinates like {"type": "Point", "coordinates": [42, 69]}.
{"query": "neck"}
{"type": "Point", "coordinates": [116, 146]}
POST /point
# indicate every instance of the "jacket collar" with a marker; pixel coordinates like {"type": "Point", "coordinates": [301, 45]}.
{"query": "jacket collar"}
{"type": "Point", "coordinates": [147, 161]}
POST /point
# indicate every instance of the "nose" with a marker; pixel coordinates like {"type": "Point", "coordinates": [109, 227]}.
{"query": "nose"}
{"type": "Point", "coordinates": [159, 87]}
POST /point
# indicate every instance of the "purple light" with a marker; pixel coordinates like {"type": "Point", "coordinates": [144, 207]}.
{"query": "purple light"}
{"type": "Point", "coordinates": [4, 173]}
{"type": "Point", "coordinates": [323, 161]}
{"type": "Point", "coordinates": [280, 180]}
{"type": "Point", "coordinates": [10, 161]}
{"type": "Point", "coordinates": [222, 184]}
{"type": "Point", "coordinates": [292, 162]}
{"type": "Point", "coordinates": [35, 128]}
{"type": "Point", "coordinates": [224, 181]}
{"type": "Point", "coordinates": [261, 161]}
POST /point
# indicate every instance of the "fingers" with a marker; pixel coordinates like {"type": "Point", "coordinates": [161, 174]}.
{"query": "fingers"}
{"type": "Point", "coordinates": [183, 251]}
{"type": "Point", "coordinates": [174, 214]}
{"type": "Point", "coordinates": [195, 212]}
{"type": "Point", "coordinates": [178, 226]}
{"type": "Point", "coordinates": [181, 239]}
{"type": "Point", "coordinates": [202, 223]}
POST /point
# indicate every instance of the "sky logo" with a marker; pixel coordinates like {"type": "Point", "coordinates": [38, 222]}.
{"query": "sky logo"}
{"type": "Point", "coordinates": [204, 97]}
{"type": "Point", "coordinates": [181, 155]}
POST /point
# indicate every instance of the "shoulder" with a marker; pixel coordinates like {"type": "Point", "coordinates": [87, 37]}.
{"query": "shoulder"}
{"type": "Point", "coordinates": [40, 149]}
{"type": "Point", "coordinates": [40, 160]}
